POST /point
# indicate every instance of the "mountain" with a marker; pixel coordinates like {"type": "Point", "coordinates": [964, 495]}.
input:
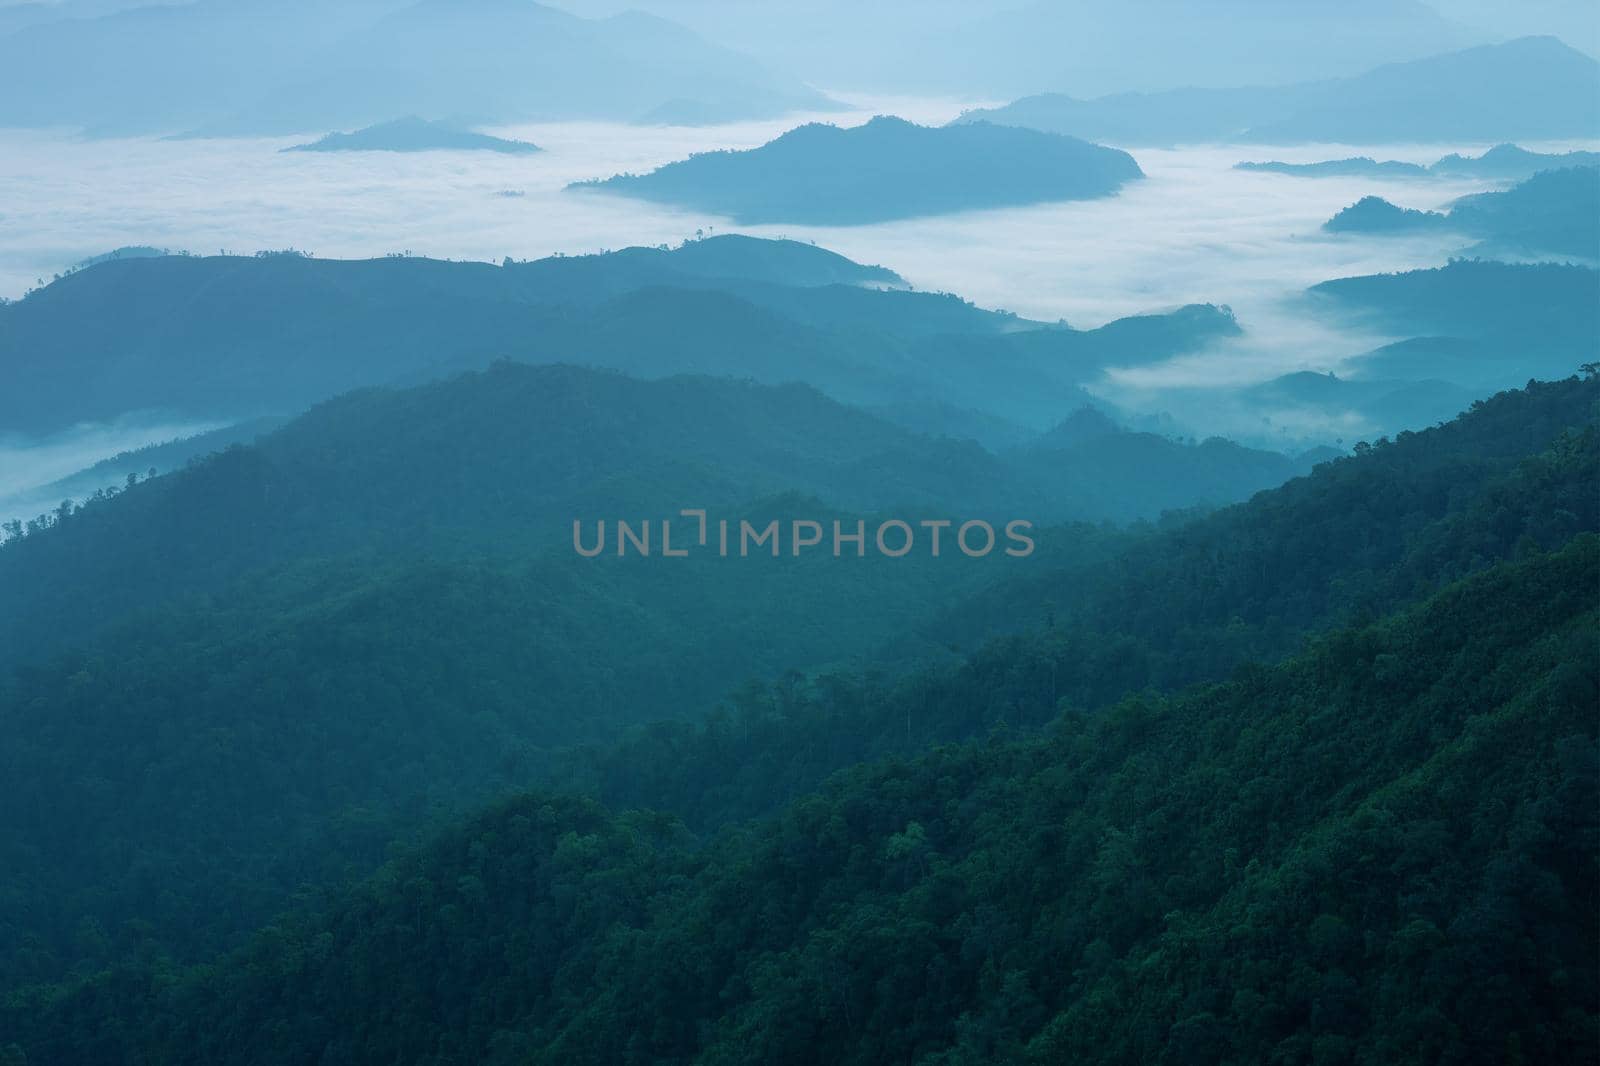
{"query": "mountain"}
{"type": "Point", "coordinates": [884, 170]}
{"type": "Point", "coordinates": [1168, 854]}
{"type": "Point", "coordinates": [225, 338]}
{"type": "Point", "coordinates": [502, 462]}
{"type": "Point", "coordinates": [1359, 166]}
{"type": "Point", "coordinates": [247, 66]}
{"type": "Point", "coordinates": [1521, 320]}
{"type": "Point", "coordinates": [1373, 214]}
{"type": "Point", "coordinates": [1505, 161]}
{"type": "Point", "coordinates": [1553, 212]}
{"type": "Point", "coordinates": [1512, 162]}
{"type": "Point", "coordinates": [394, 571]}
{"type": "Point", "coordinates": [414, 135]}
{"type": "Point", "coordinates": [1534, 88]}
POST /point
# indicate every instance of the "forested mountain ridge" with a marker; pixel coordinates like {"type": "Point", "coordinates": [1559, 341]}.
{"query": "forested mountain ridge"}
{"type": "Point", "coordinates": [501, 462]}
{"type": "Point", "coordinates": [1297, 835]}
{"type": "Point", "coordinates": [422, 686]}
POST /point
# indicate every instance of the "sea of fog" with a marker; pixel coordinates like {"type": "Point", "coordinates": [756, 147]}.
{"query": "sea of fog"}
{"type": "Point", "coordinates": [1195, 231]}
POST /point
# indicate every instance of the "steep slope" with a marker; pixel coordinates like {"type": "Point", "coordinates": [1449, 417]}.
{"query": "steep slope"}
{"type": "Point", "coordinates": [276, 733]}
{"type": "Point", "coordinates": [1385, 844]}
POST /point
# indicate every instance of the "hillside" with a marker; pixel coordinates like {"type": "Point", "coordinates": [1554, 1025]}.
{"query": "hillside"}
{"type": "Point", "coordinates": [885, 170]}
{"type": "Point", "coordinates": [1555, 212]}
{"type": "Point", "coordinates": [1252, 869]}
{"type": "Point", "coordinates": [1507, 321]}
{"type": "Point", "coordinates": [1373, 214]}
{"type": "Point", "coordinates": [165, 763]}
{"type": "Point", "coordinates": [502, 462]}
{"type": "Point", "coordinates": [223, 338]}
{"type": "Point", "coordinates": [1533, 88]}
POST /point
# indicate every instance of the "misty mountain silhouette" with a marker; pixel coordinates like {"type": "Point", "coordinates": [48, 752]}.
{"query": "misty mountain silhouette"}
{"type": "Point", "coordinates": [1501, 161]}
{"type": "Point", "coordinates": [233, 337]}
{"type": "Point", "coordinates": [412, 134]}
{"type": "Point", "coordinates": [886, 169]}
{"type": "Point", "coordinates": [1530, 88]}
{"type": "Point", "coordinates": [1554, 212]}
{"type": "Point", "coordinates": [226, 67]}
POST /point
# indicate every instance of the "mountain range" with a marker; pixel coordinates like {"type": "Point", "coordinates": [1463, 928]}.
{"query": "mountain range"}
{"type": "Point", "coordinates": [1528, 89]}
{"type": "Point", "coordinates": [234, 67]}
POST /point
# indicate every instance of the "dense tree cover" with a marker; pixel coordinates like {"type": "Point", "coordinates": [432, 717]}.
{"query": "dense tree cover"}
{"type": "Point", "coordinates": [240, 744]}
{"type": "Point", "coordinates": [884, 170]}
{"type": "Point", "coordinates": [1360, 538]}
{"type": "Point", "coordinates": [502, 462]}
{"type": "Point", "coordinates": [1384, 849]}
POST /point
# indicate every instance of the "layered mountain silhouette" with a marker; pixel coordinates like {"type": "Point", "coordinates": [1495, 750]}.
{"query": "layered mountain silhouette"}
{"type": "Point", "coordinates": [1505, 161]}
{"type": "Point", "coordinates": [1556, 212]}
{"type": "Point", "coordinates": [413, 134]}
{"type": "Point", "coordinates": [1531, 88]}
{"type": "Point", "coordinates": [1473, 322]}
{"type": "Point", "coordinates": [234, 337]}
{"type": "Point", "coordinates": [250, 67]}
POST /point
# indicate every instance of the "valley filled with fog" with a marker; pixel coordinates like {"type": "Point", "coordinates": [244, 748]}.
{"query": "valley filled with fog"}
{"type": "Point", "coordinates": [1196, 230]}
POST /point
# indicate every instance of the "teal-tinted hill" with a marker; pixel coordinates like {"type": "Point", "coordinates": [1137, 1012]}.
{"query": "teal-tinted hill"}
{"type": "Point", "coordinates": [1555, 212]}
{"type": "Point", "coordinates": [1474, 322]}
{"type": "Point", "coordinates": [222, 338]}
{"type": "Point", "coordinates": [1373, 214]}
{"type": "Point", "coordinates": [1359, 166]}
{"type": "Point", "coordinates": [1505, 161]}
{"type": "Point", "coordinates": [884, 170]}
{"type": "Point", "coordinates": [1532, 88]}
{"type": "Point", "coordinates": [413, 134]}
{"type": "Point", "coordinates": [1090, 869]}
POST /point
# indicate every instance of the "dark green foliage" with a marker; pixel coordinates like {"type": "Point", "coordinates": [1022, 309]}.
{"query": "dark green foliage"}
{"type": "Point", "coordinates": [165, 765]}
{"type": "Point", "coordinates": [503, 462]}
{"type": "Point", "coordinates": [1384, 847]}
{"type": "Point", "coordinates": [887, 169]}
